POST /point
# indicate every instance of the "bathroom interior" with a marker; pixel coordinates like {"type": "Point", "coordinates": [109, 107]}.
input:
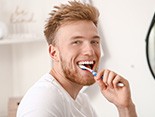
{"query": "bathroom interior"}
{"type": "Point", "coordinates": [128, 45]}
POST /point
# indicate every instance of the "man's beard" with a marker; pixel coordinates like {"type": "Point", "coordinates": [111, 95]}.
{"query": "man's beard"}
{"type": "Point", "coordinates": [72, 74]}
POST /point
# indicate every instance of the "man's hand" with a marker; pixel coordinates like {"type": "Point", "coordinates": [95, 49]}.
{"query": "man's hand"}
{"type": "Point", "coordinates": [118, 95]}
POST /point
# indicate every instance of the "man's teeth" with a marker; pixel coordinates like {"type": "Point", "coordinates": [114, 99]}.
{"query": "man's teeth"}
{"type": "Point", "coordinates": [86, 62]}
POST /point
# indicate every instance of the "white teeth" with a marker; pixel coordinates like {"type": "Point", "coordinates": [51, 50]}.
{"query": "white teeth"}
{"type": "Point", "coordinates": [86, 62]}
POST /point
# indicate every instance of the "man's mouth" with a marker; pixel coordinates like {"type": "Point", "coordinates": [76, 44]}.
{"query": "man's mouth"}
{"type": "Point", "coordinates": [89, 64]}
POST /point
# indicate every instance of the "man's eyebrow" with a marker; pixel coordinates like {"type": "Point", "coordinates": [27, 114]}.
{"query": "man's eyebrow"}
{"type": "Point", "coordinates": [80, 37]}
{"type": "Point", "coordinates": [96, 37]}
{"type": "Point", "coordinates": [77, 37]}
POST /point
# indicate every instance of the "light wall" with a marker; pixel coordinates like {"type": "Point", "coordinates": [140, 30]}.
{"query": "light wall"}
{"type": "Point", "coordinates": [123, 26]}
{"type": "Point", "coordinates": [6, 86]}
{"type": "Point", "coordinates": [23, 63]}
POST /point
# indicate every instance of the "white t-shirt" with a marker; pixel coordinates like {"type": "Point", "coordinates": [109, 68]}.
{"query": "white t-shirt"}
{"type": "Point", "coordinates": [47, 98]}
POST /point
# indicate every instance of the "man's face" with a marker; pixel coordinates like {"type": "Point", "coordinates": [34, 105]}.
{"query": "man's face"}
{"type": "Point", "coordinates": [78, 43]}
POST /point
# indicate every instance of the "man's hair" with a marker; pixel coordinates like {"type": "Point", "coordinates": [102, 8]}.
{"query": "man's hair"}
{"type": "Point", "coordinates": [65, 13]}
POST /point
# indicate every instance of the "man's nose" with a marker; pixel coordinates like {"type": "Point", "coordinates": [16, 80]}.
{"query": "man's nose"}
{"type": "Point", "coordinates": [88, 49]}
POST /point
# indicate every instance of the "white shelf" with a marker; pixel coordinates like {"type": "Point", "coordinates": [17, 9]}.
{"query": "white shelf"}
{"type": "Point", "coordinates": [6, 41]}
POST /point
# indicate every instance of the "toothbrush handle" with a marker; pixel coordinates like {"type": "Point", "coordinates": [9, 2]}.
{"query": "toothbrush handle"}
{"type": "Point", "coordinates": [94, 73]}
{"type": "Point", "coordinates": [119, 84]}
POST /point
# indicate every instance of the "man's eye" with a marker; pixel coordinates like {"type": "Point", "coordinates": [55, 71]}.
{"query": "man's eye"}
{"type": "Point", "coordinates": [95, 42]}
{"type": "Point", "coordinates": [77, 42]}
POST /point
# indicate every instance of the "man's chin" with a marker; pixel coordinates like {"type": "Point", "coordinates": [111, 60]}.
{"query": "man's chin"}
{"type": "Point", "coordinates": [84, 80]}
{"type": "Point", "coordinates": [87, 82]}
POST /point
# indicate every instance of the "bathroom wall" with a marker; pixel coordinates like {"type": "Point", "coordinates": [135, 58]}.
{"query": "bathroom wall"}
{"type": "Point", "coordinates": [25, 58]}
{"type": "Point", "coordinates": [123, 27]}
{"type": "Point", "coordinates": [6, 86]}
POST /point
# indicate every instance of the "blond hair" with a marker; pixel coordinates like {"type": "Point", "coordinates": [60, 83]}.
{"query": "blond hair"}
{"type": "Point", "coordinates": [65, 13]}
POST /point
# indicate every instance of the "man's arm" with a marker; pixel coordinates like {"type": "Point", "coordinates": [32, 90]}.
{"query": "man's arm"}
{"type": "Point", "coordinates": [129, 111]}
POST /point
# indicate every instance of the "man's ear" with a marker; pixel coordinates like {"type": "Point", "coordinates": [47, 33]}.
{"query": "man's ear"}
{"type": "Point", "coordinates": [53, 52]}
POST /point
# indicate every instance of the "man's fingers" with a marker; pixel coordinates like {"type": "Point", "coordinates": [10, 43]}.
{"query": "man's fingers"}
{"type": "Point", "coordinates": [107, 78]}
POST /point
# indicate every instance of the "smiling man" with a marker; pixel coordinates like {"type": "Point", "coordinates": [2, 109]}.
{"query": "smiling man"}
{"type": "Point", "coordinates": [76, 43]}
{"type": "Point", "coordinates": [73, 40]}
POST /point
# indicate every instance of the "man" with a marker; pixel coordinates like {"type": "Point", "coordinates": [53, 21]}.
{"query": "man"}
{"type": "Point", "coordinates": [73, 39]}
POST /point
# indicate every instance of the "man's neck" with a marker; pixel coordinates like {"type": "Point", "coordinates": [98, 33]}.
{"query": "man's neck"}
{"type": "Point", "coordinates": [71, 87]}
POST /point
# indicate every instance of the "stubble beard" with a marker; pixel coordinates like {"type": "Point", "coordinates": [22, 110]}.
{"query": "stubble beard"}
{"type": "Point", "coordinates": [72, 74]}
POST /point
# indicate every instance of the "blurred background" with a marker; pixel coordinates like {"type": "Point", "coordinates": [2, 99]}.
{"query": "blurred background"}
{"type": "Point", "coordinates": [24, 57]}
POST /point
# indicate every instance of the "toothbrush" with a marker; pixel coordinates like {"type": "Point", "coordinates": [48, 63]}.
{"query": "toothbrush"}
{"type": "Point", "coordinates": [86, 68]}
{"type": "Point", "coordinates": [95, 73]}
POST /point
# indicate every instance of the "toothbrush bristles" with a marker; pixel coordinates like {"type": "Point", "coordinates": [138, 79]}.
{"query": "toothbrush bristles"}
{"type": "Point", "coordinates": [85, 68]}
{"type": "Point", "coordinates": [82, 67]}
